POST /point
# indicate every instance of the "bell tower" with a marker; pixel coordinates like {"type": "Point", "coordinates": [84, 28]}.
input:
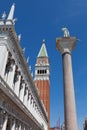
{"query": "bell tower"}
{"type": "Point", "coordinates": [42, 78]}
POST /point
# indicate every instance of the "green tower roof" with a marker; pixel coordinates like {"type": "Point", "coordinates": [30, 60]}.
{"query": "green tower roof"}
{"type": "Point", "coordinates": [43, 51]}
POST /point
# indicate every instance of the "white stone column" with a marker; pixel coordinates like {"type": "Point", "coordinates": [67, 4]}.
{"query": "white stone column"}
{"type": "Point", "coordinates": [69, 99]}
{"type": "Point", "coordinates": [22, 89]}
{"type": "Point", "coordinates": [13, 124]}
{"type": "Point", "coordinates": [20, 127]}
{"type": "Point", "coordinates": [17, 84]}
{"type": "Point", "coordinates": [26, 96]}
{"type": "Point", "coordinates": [35, 113]}
{"type": "Point", "coordinates": [24, 128]}
{"type": "Point", "coordinates": [65, 46]}
{"type": "Point", "coordinates": [11, 73]}
{"type": "Point", "coordinates": [32, 109]}
{"type": "Point", "coordinates": [29, 102]}
{"type": "Point", "coordinates": [3, 58]}
{"type": "Point", "coordinates": [5, 119]}
{"type": "Point", "coordinates": [1, 118]}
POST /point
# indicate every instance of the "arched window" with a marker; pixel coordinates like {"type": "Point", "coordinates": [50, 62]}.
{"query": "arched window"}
{"type": "Point", "coordinates": [45, 71]}
{"type": "Point", "coordinates": [38, 71]}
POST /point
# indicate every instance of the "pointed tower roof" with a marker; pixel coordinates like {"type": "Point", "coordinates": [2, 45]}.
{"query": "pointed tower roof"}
{"type": "Point", "coordinates": [43, 51]}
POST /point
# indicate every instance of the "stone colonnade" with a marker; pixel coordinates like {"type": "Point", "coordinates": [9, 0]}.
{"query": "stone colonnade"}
{"type": "Point", "coordinates": [13, 76]}
{"type": "Point", "coordinates": [8, 122]}
{"type": "Point", "coordinates": [15, 80]}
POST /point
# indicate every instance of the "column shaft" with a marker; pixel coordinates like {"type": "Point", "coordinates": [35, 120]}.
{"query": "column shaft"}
{"type": "Point", "coordinates": [13, 124]}
{"type": "Point", "coordinates": [1, 119]}
{"type": "Point", "coordinates": [22, 89]}
{"type": "Point", "coordinates": [5, 122]}
{"type": "Point", "coordinates": [3, 59]}
{"type": "Point", "coordinates": [20, 127]}
{"type": "Point", "coordinates": [26, 97]}
{"type": "Point", "coordinates": [17, 85]}
{"type": "Point", "coordinates": [69, 98]}
{"type": "Point", "coordinates": [29, 102]}
{"type": "Point", "coordinates": [11, 76]}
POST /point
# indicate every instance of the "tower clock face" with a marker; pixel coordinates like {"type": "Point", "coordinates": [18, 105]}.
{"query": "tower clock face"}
{"type": "Point", "coordinates": [42, 62]}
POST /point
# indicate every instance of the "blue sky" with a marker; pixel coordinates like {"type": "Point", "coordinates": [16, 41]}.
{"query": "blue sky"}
{"type": "Point", "coordinates": [38, 20]}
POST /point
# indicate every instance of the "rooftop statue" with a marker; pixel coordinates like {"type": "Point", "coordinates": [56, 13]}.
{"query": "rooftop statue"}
{"type": "Point", "coordinates": [66, 32]}
{"type": "Point", "coordinates": [3, 16]}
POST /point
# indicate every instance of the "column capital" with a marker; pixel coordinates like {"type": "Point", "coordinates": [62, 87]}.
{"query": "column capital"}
{"type": "Point", "coordinates": [65, 44]}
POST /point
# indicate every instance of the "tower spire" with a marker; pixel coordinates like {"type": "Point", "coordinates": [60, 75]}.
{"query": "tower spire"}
{"type": "Point", "coordinates": [11, 13]}
{"type": "Point", "coordinates": [43, 51]}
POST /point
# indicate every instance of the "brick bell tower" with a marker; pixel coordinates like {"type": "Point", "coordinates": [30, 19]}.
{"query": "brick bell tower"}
{"type": "Point", "coordinates": [42, 78]}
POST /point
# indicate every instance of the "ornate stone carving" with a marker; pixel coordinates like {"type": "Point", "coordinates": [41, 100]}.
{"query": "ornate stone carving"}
{"type": "Point", "coordinates": [16, 77]}
{"type": "Point", "coordinates": [10, 64]}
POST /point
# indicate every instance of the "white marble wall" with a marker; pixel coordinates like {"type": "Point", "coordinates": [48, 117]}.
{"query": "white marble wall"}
{"type": "Point", "coordinates": [14, 77]}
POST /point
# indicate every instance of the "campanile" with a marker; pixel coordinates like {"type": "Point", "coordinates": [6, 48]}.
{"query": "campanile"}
{"type": "Point", "coordinates": [42, 78]}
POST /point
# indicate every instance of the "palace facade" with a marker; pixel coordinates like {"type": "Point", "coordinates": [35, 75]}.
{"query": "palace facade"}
{"type": "Point", "coordinates": [20, 105]}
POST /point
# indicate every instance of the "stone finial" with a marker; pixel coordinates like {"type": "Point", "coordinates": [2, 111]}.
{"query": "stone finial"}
{"type": "Point", "coordinates": [14, 20]}
{"type": "Point", "coordinates": [19, 37]}
{"type": "Point", "coordinates": [32, 74]}
{"type": "Point", "coordinates": [66, 32]}
{"type": "Point", "coordinates": [23, 50]}
{"type": "Point", "coordinates": [3, 16]}
{"type": "Point", "coordinates": [30, 68]}
{"type": "Point", "coordinates": [11, 13]}
{"type": "Point", "coordinates": [27, 59]}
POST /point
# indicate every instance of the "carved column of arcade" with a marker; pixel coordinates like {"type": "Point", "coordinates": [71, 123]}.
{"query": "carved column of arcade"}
{"type": "Point", "coordinates": [20, 126]}
{"type": "Point", "coordinates": [36, 109]}
{"type": "Point", "coordinates": [37, 112]}
{"type": "Point", "coordinates": [26, 96]}
{"type": "Point", "coordinates": [13, 123]}
{"type": "Point", "coordinates": [3, 58]}
{"type": "Point", "coordinates": [17, 80]}
{"type": "Point", "coordinates": [32, 103]}
{"type": "Point", "coordinates": [22, 89]}
{"type": "Point", "coordinates": [10, 71]}
{"type": "Point", "coordinates": [23, 127]}
{"type": "Point", "coordinates": [7, 66]}
{"type": "Point", "coordinates": [29, 101]}
{"type": "Point", "coordinates": [1, 118]}
{"type": "Point", "coordinates": [17, 125]}
{"type": "Point", "coordinates": [5, 119]}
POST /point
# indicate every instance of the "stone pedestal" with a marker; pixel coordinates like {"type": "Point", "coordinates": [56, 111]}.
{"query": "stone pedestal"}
{"type": "Point", "coordinates": [65, 46]}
